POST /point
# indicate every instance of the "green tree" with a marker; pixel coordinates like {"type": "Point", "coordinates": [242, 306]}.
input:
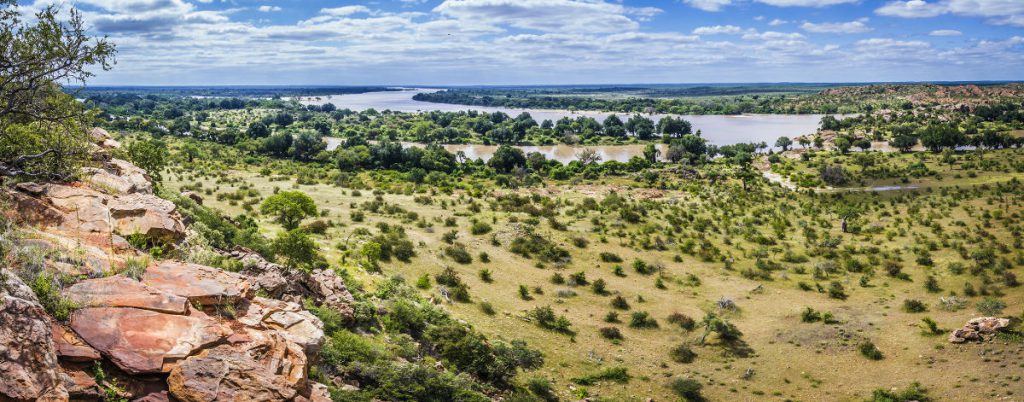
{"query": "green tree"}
{"type": "Point", "coordinates": [150, 155]}
{"type": "Point", "coordinates": [42, 129]}
{"type": "Point", "coordinates": [507, 158]}
{"type": "Point", "coordinates": [904, 143]}
{"type": "Point", "coordinates": [784, 143]}
{"type": "Point", "coordinates": [289, 208]}
{"type": "Point", "coordinates": [296, 248]}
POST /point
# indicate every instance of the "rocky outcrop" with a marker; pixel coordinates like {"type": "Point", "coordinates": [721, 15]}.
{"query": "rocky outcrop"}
{"type": "Point", "coordinates": [266, 368]}
{"type": "Point", "coordinates": [182, 332]}
{"type": "Point", "coordinates": [978, 329]}
{"type": "Point", "coordinates": [120, 291]}
{"type": "Point", "coordinates": [287, 318]}
{"type": "Point", "coordinates": [142, 341]}
{"type": "Point", "coordinates": [28, 360]}
{"type": "Point", "coordinates": [323, 287]}
{"type": "Point", "coordinates": [200, 284]}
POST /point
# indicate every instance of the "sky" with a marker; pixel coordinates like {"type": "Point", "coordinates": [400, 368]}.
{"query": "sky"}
{"type": "Point", "coordinates": [522, 42]}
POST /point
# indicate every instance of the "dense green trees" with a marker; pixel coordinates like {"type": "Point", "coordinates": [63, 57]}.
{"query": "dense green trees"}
{"type": "Point", "coordinates": [42, 129]}
{"type": "Point", "coordinates": [507, 158]}
{"type": "Point", "coordinates": [151, 155]}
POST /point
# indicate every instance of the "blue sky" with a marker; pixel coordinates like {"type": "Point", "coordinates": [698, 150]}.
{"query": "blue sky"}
{"type": "Point", "coordinates": [493, 42]}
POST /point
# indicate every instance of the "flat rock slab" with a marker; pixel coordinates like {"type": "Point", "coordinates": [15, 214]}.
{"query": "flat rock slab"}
{"type": "Point", "coordinates": [201, 284]}
{"type": "Point", "coordinates": [71, 347]}
{"type": "Point", "coordinates": [120, 291]}
{"type": "Point", "coordinates": [143, 341]}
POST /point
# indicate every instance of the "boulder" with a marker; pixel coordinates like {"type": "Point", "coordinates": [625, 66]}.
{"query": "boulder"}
{"type": "Point", "coordinates": [287, 318]}
{"type": "Point", "coordinates": [29, 370]}
{"type": "Point", "coordinates": [120, 291]}
{"type": "Point", "coordinates": [98, 135]}
{"type": "Point", "coordinates": [143, 341]}
{"type": "Point", "coordinates": [153, 217]}
{"type": "Point", "coordinates": [70, 347]}
{"type": "Point", "coordinates": [332, 291]}
{"type": "Point", "coordinates": [84, 210]}
{"type": "Point", "coordinates": [33, 211]}
{"type": "Point", "coordinates": [133, 174]}
{"type": "Point", "coordinates": [107, 182]}
{"type": "Point", "coordinates": [201, 284]}
{"type": "Point", "coordinates": [267, 368]}
{"type": "Point", "coordinates": [977, 329]}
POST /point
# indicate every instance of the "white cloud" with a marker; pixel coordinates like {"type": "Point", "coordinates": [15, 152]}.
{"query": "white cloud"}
{"type": "Point", "coordinates": [708, 5]}
{"type": "Point", "coordinates": [548, 15]}
{"type": "Point", "coordinates": [344, 10]}
{"type": "Point", "coordinates": [910, 9]}
{"type": "Point", "coordinates": [776, 22]}
{"type": "Point", "coordinates": [945, 32]}
{"type": "Point", "coordinates": [805, 3]}
{"type": "Point", "coordinates": [852, 27]}
{"type": "Point", "coordinates": [267, 9]}
{"type": "Point", "coordinates": [718, 30]}
{"type": "Point", "coordinates": [999, 12]}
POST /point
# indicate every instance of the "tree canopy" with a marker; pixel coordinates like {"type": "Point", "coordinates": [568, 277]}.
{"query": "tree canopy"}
{"type": "Point", "coordinates": [289, 208]}
{"type": "Point", "coordinates": [42, 129]}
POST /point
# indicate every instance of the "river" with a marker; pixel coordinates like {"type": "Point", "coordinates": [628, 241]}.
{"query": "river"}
{"type": "Point", "coordinates": [717, 129]}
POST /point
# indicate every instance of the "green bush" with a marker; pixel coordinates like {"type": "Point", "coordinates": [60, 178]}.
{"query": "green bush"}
{"type": "Point", "coordinates": [687, 388]}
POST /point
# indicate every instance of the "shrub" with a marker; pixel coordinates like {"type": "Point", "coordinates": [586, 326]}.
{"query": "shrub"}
{"type": "Point", "coordinates": [644, 268]}
{"type": "Point", "coordinates": [682, 354]}
{"type": "Point", "coordinates": [600, 287]}
{"type": "Point", "coordinates": [423, 282]}
{"type": "Point", "coordinates": [914, 306]}
{"type": "Point", "coordinates": [930, 327]}
{"type": "Point", "coordinates": [47, 290]}
{"type": "Point", "coordinates": [485, 275]}
{"type": "Point", "coordinates": [542, 388]}
{"type": "Point", "coordinates": [611, 333]}
{"type": "Point", "coordinates": [458, 253]}
{"type": "Point", "coordinates": [620, 303]}
{"type": "Point", "coordinates": [836, 291]}
{"type": "Point", "coordinates": [990, 306]}
{"type": "Point", "coordinates": [642, 319]}
{"type": "Point", "coordinates": [868, 350]}
{"type": "Point", "coordinates": [545, 318]}
{"type": "Point", "coordinates": [610, 257]}
{"type": "Point", "coordinates": [914, 392]}
{"type": "Point", "coordinates": [480, 228]}
{"type": "Point", "coordinates": [614, 374]}
{"type": "Point", "coordinates": [683, 321]}
{"type": "Point", "coordinates": [810, 315]}
{"type": "Point", "coordinates": [687, 388]}
{"type": "Point", "coordinates": [487, 308]}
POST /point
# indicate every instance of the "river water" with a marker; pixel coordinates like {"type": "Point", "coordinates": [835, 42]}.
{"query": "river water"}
{"type": "Point", "coordinates": [717, 129]}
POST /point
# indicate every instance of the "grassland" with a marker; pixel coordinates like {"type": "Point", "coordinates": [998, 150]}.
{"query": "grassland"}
{"type": "Point", "coordinates": [709, 241]}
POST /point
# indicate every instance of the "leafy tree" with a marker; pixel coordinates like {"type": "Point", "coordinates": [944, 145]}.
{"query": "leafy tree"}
{"type": "Point", "coordinates": [904, 143]}
{"type": "Point", "coordinates": [289, 208]}
{"type": "Point", "coordinates": [784, 143]}
{"type": "Point", "coordinates": [640, 126]}
{"type": "Point", "coordinates": [150, 155]}
{"type": "Point", "coordinates": [614, 127]}
{"type": "Point", "coordinates": [258, 130]}
{"type": "Point", "coordinates": [296, 248]}
{"type": "Point", "coordinates": [938, 136]}
{"type": "Point", "coordinates": [842, 144]}
{"type": "Point", "coordinates": [307, 145]}
{"type": "Point", "coordinates": [42, 129]}
{"type": "Point", "coordinates": [507, 158]}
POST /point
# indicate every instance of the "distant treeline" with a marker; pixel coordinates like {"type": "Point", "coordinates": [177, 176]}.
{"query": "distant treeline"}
{"type": "Point", "coordinates": [226, 91]}
{"type": "Point", "coordinates": [720, 101]}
